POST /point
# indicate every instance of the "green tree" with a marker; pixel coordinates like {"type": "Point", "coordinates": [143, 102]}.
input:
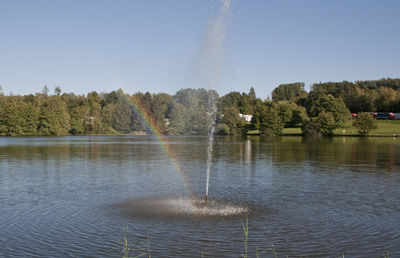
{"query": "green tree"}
{"type": "Point", "coordinates": [45, 90]}
{"type": "Point", "coordinates": [107, 113]}
{"type": "Point", "coordinates": [57, 91]}
{"type": "Point", "coordinates": [95, 119]}
{"type": "Point", "coordinates": [252, 95]}
{"type": "Point", "coordinates": [259, 115]}
{"type": "Point", "coordinates": [142, 113]}
{"type": "Point", "coordinates": [267, 120]}
{"type": "Point", "coordinates": [386, 99]}
{"type": "Point", "coordinates": [273, 124]}
{"type": "Point", "coordinates": [233, 121]}
{"type": "Point", "coordinates": [121, 118]}
{"type": "Point", "coordinates": [245, 105]}
{"type": "Point", "coordinates": [286, 92]}
{"type": "Point", "coordinates": [309, 128]}
{"type": "Point", "coordinates": [229, 100]}
{"type": "Point", "coordinates": [17, 117]}
{"type": "Point", "coordinates": [54, 117]}
{"type": "Point", "coordinates": [162, 104]}
{"type": "Point", "coordinates": [325, 123]}
{"type": "Point", "coordinates": [364, 96]}
{"type": "Point", "coordinates": [191, 97]}
{"type": "Point", "coordinates": [109, 98]}
{"type": "Point", "coordinates": [285, 111]}
{"type": "Point", "coordinates": [252, 99]}
{"type": "Point", "coordinates": [330, 104]}
{"type": "Point", "coordinates": [222, 129]}
{"type": "Point", "coordinates": [160, 108]}
{"type": "Point", "coordinates": [299, 116]}
{"type": "Point", "coordinates": [80, 120]}
{"type": "Point", "coordinates": [197, 123]}
{"type": "Point", "coordinates": [178, 118]}
{"type": "Point", "coordinates": [198, 108]}
{"type": "Point", "coordinates": [364, 123]}
{"type": "Point", "coordinates": [291, 114]}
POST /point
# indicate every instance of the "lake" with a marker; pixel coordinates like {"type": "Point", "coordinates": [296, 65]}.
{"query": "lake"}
{"type": "Point", "coordinates": [77, 196]}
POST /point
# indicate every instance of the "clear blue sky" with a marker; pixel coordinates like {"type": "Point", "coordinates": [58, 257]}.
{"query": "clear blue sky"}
{"type": "Point", "coordinates": [150, 45]}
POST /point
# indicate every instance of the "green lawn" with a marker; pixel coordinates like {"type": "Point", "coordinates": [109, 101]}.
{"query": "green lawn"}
{"type": "Point", "coordinates": [253, 132]}
{"type": "Point", "coordinates": [385, 128]}
{"type": "Point", "coordinates": [287, 131]}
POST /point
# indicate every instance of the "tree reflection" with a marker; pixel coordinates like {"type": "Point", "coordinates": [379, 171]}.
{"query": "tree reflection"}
{"type": "Point", "coordinates": [352, 152]}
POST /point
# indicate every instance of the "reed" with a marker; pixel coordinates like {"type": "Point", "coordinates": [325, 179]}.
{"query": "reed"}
{"type": "Point", "coordinates": [246, 235]}
{"type": "Point", "coordinates": [143, 251]}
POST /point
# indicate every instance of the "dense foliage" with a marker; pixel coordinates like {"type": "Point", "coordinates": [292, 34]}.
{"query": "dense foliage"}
{"type": "Point", "coordinates": [364, 123]}
{"type": "Point", "coordinates": [288, 91]}
{"type": "Point", "coordinates": [318, 112]}
{"type": "Point", "coordinates": [365, 96]}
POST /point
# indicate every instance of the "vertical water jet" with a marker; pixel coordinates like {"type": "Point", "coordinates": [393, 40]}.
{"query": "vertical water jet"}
{"type": "Point", "coordinates": [211, 130]}
{"type": "Point", "coordinates": [210, 69]}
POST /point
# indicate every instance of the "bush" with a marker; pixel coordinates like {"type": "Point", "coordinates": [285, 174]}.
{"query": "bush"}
{"type": "Point", "coordinates": [222, 129]}
{"type": "Point", "coordinates": [310, 129]}
{"type": "Point", "coordinates": [364, 123]}
{"type": "Point", "coordinates": [291, 114]}
{"type": "Point", "coordinates": [332, 105]}
{"type": "Point", "coordinates": [323, 124]}
{"type": "Point", "coordinates": [272, 124]}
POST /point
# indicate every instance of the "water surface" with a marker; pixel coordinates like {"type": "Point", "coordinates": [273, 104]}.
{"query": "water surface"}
{"type": "Point", "coordinates": [75, 196]}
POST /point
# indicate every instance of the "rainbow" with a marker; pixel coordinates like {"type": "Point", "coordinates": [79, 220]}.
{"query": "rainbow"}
{"type": "Point", "coordinates": [158, 133]}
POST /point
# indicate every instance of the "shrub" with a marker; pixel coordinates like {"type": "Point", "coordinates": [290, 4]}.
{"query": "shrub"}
{"type": "Point", "coordinates": [323, 124]}
{"type": "Point", "coordinates": [364, 123]}
{"type": "Point", "coordinates": [222, 129]}
{"type": "Point", "coordinates": [272, 124]}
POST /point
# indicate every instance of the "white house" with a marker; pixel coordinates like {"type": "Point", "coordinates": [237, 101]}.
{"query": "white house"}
{"type": "Point", "coordinates": [247, 118]}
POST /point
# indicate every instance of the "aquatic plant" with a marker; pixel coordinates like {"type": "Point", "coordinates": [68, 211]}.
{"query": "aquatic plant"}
{"type": "Point", "coordinates": [143, 251]}
{"type": "Point", "coordinates": [246, 235]}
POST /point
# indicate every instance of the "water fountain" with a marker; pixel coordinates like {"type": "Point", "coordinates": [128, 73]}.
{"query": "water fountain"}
{"type": "Point", "coordinates": [208, 74]}
{"type": "Point", "coordinates": [211, 131]}
{"type": "Point", "coordinates": [210, 67]}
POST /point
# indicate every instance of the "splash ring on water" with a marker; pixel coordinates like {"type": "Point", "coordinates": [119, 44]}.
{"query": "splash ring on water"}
{"type": "Point", "coordinates": [181, 207]}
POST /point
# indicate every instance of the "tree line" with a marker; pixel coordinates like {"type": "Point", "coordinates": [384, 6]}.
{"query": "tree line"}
{"type": "Point", "coordinates": [319, 111]}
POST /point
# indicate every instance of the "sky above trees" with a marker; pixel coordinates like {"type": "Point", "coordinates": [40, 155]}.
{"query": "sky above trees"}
{"type": "Point", "coordinates": [155, 46]}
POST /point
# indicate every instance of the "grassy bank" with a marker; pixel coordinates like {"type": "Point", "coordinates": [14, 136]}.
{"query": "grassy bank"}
{"type": "Point", "coordinates": [385, 128]}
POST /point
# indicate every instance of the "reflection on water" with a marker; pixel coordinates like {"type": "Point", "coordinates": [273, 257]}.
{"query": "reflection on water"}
{"type": "Point", "coordinates": [74, 196]}
{"type": "Point", "coordinates": [381, 152]}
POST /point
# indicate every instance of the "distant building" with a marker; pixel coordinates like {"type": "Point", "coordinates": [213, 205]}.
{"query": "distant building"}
{"type": "Point", "coordinates": [247, 118]}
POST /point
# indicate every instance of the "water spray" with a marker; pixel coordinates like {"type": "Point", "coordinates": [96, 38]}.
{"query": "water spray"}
{"type": "Point", "coordinates": [210, 68]}
{"type": "Point", "coordinates": [211, 130]}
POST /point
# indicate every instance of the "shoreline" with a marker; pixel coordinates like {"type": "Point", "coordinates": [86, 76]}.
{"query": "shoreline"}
{"type": "Point", "coordinates": [251, 134]}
